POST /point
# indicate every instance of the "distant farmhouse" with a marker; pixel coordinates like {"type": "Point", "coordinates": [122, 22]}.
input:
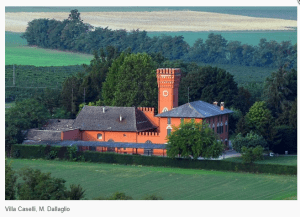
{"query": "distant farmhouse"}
{"type": "Point", "coordinates": [133, 130]}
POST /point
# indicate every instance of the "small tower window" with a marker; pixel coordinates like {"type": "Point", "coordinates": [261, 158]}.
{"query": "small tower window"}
{"type": "Point", "coordinates": [169, 132]}
{"type": "Point", "coordinates": [99, 136]}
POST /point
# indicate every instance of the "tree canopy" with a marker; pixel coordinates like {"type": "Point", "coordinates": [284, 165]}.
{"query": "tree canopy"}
{"type": "Point", "coordinates": [208, 84]}
{"type": "Point", "coordinates": [194, 140]}
{"type": "Point", "coordinates": [131, 81]}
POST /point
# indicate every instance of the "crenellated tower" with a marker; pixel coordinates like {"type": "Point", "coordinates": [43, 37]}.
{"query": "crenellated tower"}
{"type": "Point", "coordinates": [168, 80]}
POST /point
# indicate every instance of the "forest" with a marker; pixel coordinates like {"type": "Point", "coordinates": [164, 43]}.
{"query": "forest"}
{"type": "Point", "coordinates": [72, 34]}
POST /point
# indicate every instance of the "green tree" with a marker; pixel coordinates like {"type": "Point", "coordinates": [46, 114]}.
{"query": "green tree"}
{"type": "Point", "coordinates": [40, 186]}
{"type": "Point", "coordinates": [233, 119]}
{"type": "Point", "coordinates": [24, 115]}
{"type": "Point", "coordinates": [260, 120]}
{"type": "Point", "coordinates": [131, 81]}
{"type": "Point", "coordinates": [76, 192]}
{"type": "Point", "coordinates": [280, 89]}
{"type": "Point", "coordinates": [194, 140]}
{"type": "Point", "coordinates": [208, 84]}
{"type": "Point", "coordinates": [251, 140]}
{"type": "Point", "coordinates": [10, 182]}
{"type": "Point", "coordinates": [249, 155]}
{"type": "Point", "coordinates": [71, 95]}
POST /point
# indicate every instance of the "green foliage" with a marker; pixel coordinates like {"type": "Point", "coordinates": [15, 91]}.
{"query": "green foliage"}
{"type": "Point", "coordinates": [10, 182]}
{"type": "Point", "coordinates": [72, 153]}
{"type": "Point", "coordinates": [74, 35]}
{"type": "Point", "coordinates": [260, 120]}
{"type": "Point", "coordinates": [251, 140]}
{"type": "Point", "coordinates": [113, 158]}
{"type": "Point", "coordinates": [234, 119]}
{"type": "Point", "coordinates": [280, 89]}
{"type": "Point", "coordinates": [249, 155]}
{"type": "Point", "coordinates": [28, 78]}
{"type": "Point", "coordinates": [286, 140]}
{"type": "Point", "coordinates": [76, 192]}
{"type": "Point", "coordinates": [40, 186]}
{"type": "Point", "coordinates": [208, 84]}
{"type": "Point", "coordinates": [195, 140]}
{"type": "Point", "coordinates": [24, 115]}
{"type": "Point", "coordinates": [131, 81]}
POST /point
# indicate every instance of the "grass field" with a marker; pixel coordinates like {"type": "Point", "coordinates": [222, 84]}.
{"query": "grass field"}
{"type": "Point", "coordinates": [16, 52]}
{"type": "Point", "coordinates": [282, 160]}
{"type": "Point", "coordinates": [168, 183]}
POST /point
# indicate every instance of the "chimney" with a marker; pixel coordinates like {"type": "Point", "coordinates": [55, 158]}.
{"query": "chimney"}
{"type": "Point", "coordinates": [215, 103]}
{"type": "Point", "coordinates": [103, 109]}
{"type": "Point", "coordinates": [121, 118]}
{"type": "Point", "coordinates": [222, 106]}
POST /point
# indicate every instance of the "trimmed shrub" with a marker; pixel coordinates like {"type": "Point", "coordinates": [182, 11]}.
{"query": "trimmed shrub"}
{"type": "Point", "coordinates": [251, 140]}
{"type": "Point", "coordinates": [251, 154]}
{"type": "Point", "coordinates": [27, 151]}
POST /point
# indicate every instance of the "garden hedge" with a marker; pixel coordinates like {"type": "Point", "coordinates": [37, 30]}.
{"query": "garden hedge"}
{"type": "Point", "coordinates": [63, 153]}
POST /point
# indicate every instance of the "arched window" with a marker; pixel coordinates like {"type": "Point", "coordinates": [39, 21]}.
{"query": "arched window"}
{"type": "Point", "coordinates": [111, 140]}
{"type": "Point", "coordinates": [148, 141]}
{"type": "Point", "coordinates": [165, 109]}
{"type": "Point", "coordinates": [99, 136]}
{"type": "Point", "coordinates": [221, 127]}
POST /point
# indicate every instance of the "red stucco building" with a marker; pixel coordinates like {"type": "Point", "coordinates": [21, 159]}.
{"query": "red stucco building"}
{"type": "Point", "coordinates": [128, 125]}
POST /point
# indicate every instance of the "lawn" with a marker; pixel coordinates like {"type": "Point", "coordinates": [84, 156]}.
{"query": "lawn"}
{"type": "Point", "coordinates": [168, 183]}
{"type": "Point", "coordinates": [282, 160]}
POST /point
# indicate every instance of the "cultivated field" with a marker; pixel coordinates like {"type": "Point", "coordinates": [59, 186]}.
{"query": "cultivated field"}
{"type": "Point", "coordinates": [157, 21]}
{"type": "Point", "coordinates": [168, 183]}
{"type": "Point", "coordinates": [17, 53]}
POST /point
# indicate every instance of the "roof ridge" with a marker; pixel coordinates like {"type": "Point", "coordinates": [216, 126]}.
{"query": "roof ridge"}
{"type": "Point", "coordinates": [192, 107]}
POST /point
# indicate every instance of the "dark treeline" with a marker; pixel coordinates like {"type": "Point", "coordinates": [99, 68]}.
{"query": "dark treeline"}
{"type": "Point", "coordinates": [73, 35]}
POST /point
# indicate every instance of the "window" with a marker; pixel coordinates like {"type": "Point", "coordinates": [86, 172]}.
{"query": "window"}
{"type": "Point", "coordinates": [169, 120]}
{"type": "Point", "coordinates": [99, 136]}
{"type": "Point", "coordinates": [148, 141]}
{"type": "Point", "coordinates": [168, 132]}
{"type": "Point", "coordinates": [226, 124]}
{"type": "Point", "coordinates": [213, 127]}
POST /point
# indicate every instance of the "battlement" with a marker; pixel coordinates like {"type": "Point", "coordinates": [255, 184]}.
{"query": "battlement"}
{"type": "Point", "coordinates": [168, 71]}
{"type": "Point", "coordinates": [148, 134]}
{"type": "Point", "coordinates": [146, 109]}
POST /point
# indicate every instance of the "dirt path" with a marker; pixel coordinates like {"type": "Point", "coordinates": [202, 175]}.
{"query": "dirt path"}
{"type": "Point", "coordinates": [157, 21]}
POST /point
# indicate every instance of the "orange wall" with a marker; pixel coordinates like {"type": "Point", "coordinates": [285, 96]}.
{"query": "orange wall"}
{"type": "Point", "coordinates": [71, 135]}
{"type": "Point", "coordinates": [91, 135]}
